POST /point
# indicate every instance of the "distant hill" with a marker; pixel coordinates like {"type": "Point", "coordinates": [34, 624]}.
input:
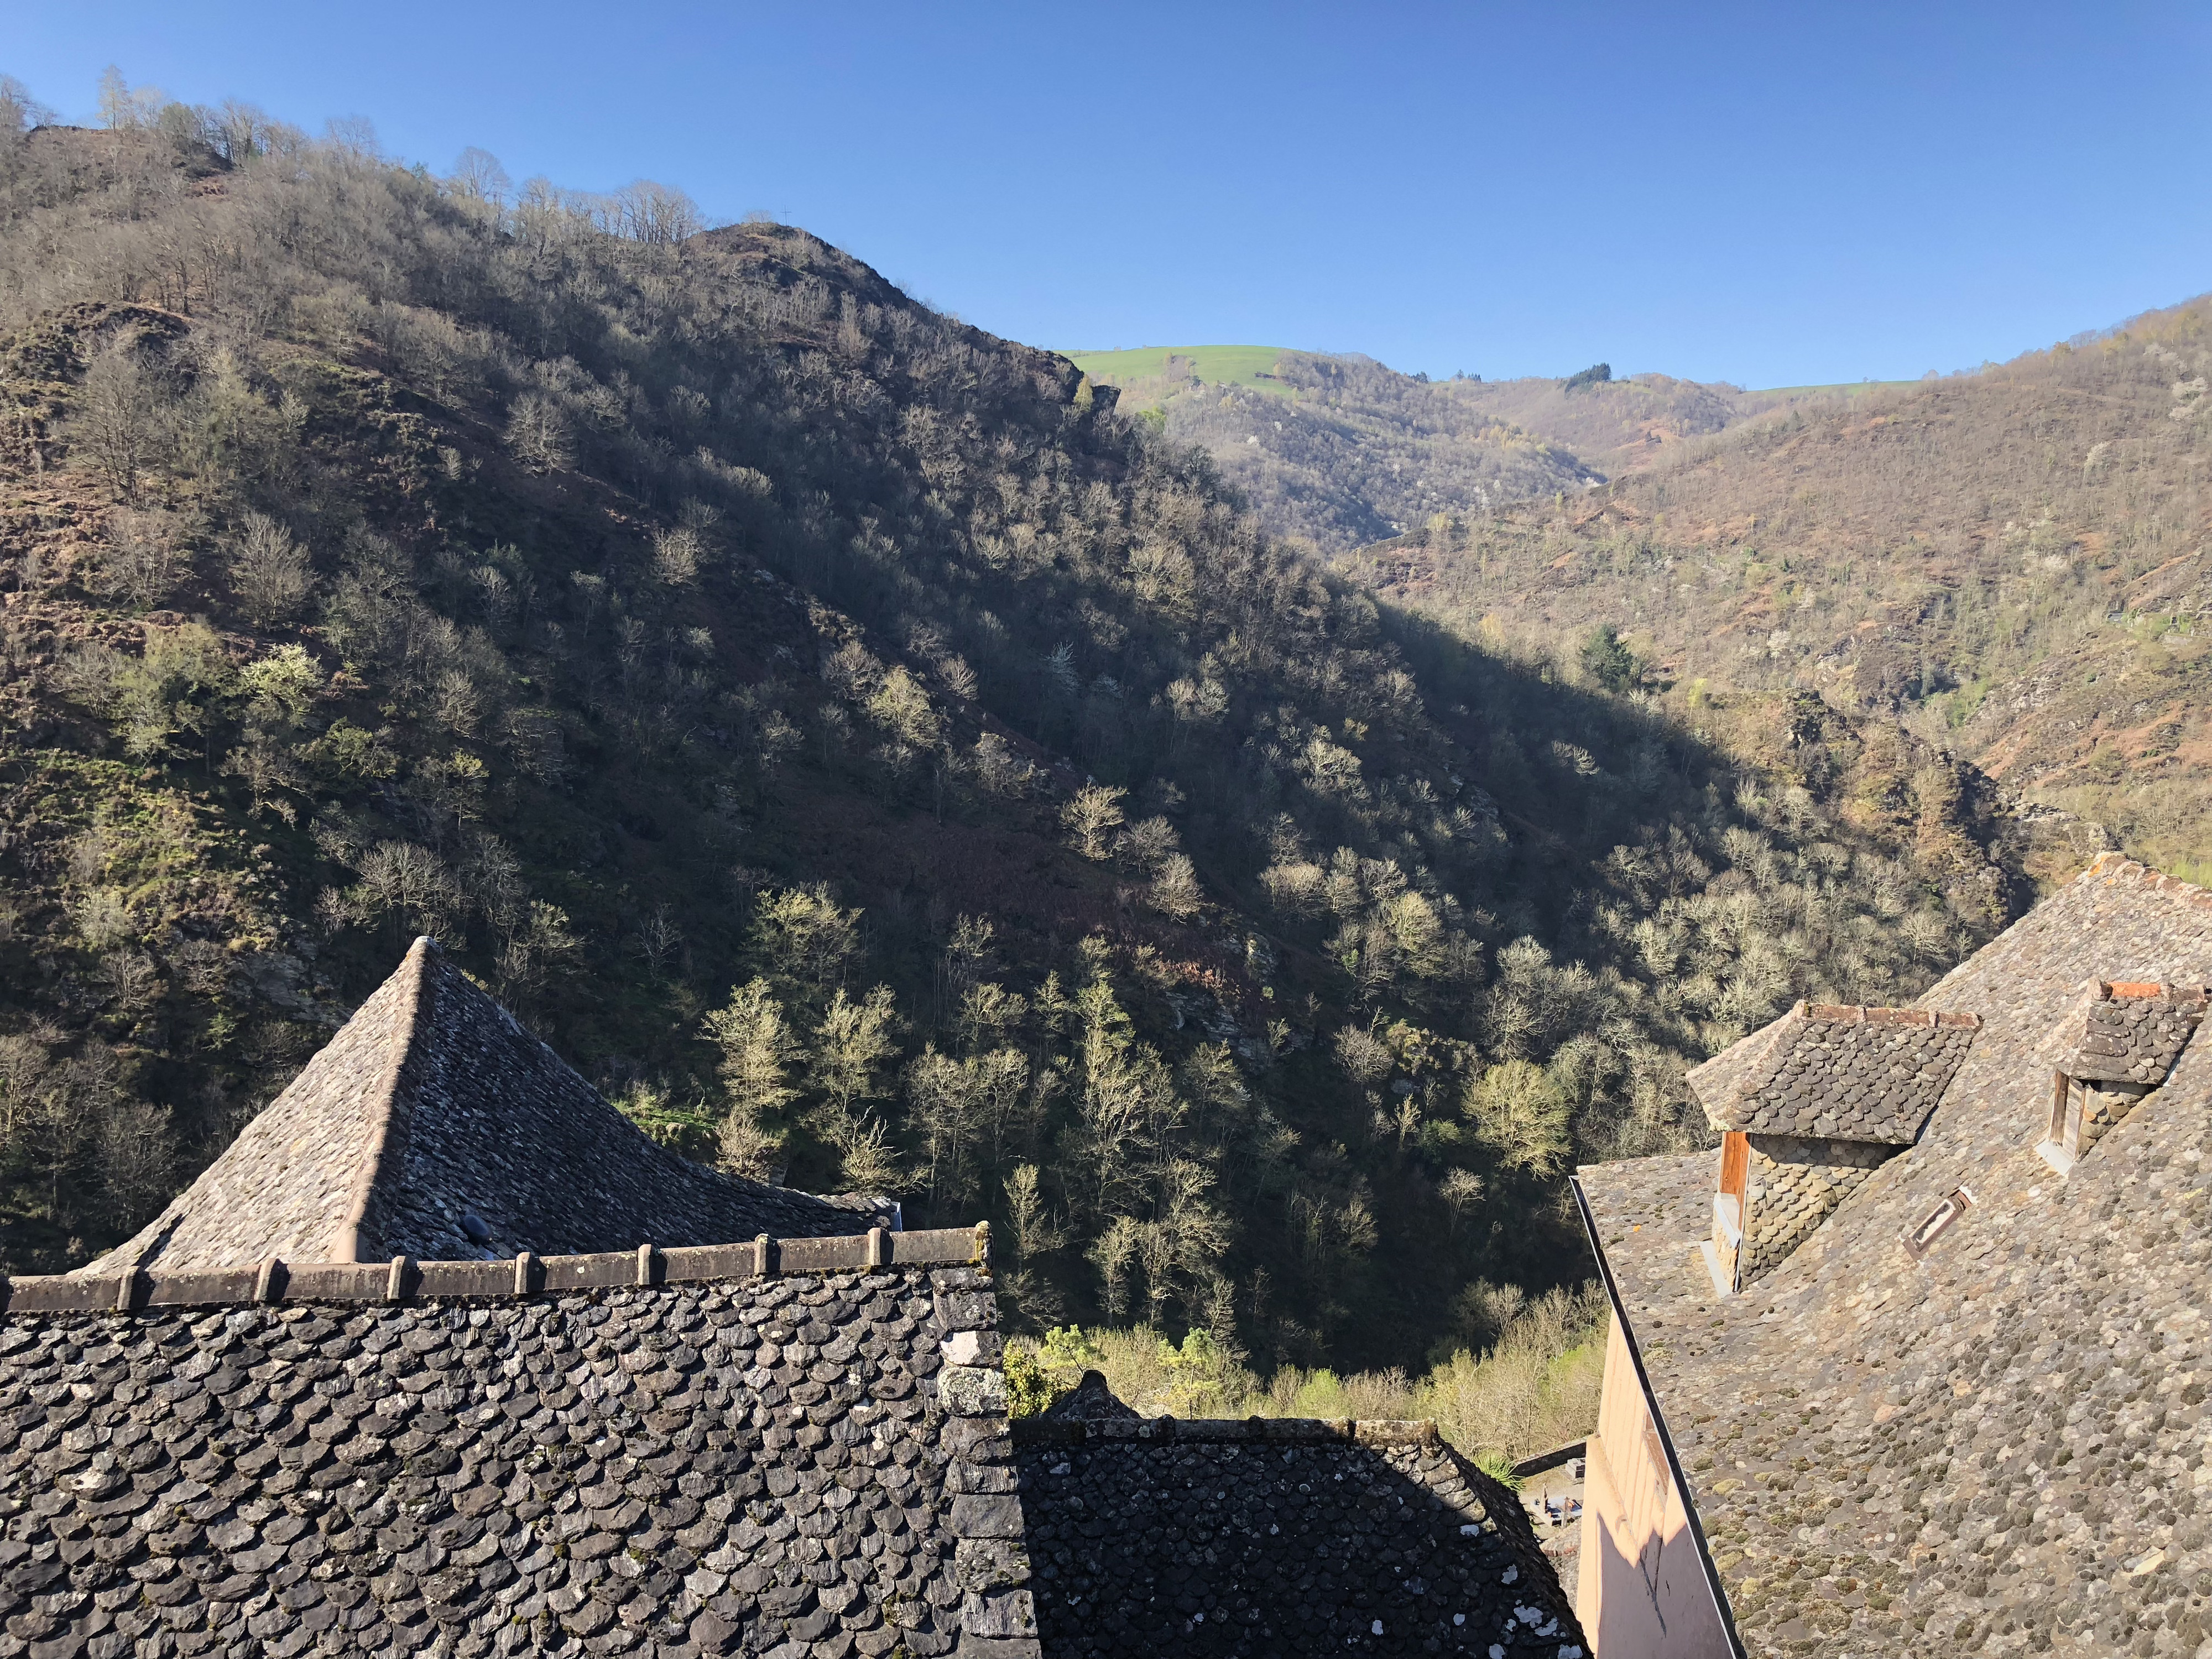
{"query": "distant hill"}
{"type": "Point", "coordinates": [1341, 450]}
{"type": "Point", "coordinates": [2017, 563]}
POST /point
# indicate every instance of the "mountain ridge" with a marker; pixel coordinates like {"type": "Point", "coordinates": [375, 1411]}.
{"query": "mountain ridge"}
{"type": "Point", "coordinates": [1341, 450]}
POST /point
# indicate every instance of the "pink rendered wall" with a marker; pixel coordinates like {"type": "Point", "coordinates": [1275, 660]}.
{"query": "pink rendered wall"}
{"type": "Point", "coordinates": [1642, 1593]}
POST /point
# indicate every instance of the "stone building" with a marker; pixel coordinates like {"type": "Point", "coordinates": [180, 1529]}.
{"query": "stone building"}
{"type": "Point", "coordinates": [443, 1356]}
{"type": "Point", "coordinates": [1952, 1400]}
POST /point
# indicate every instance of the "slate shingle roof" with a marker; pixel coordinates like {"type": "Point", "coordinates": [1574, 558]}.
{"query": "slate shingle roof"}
{"type": "Point", "coordinates": [1156, 1538]}
{"type": "Point", "coordinates": [1836, 1073]}
{"type": "Point", "coordinates": [814, 1467]}
{"type": "Point", "coordinates": [434, 1107]}
{"type": "Point", "coordinates": [2130, 1033]}
{"type": "Point", "coordinates": [800, 1453]}
{"type": "Point", "coordinates": [2002, 1446]}
{"type": "Point", "coordinates": [794, 1447]}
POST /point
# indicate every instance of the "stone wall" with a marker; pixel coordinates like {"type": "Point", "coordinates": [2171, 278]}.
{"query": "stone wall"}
{"type": "Point", "coordinates": [1795, 1183]}
{"type": "Point", "coordinates": [1279, 1538]}
{"type": "Point", "coordinates": [2102, 1108]}
{"type": "Point", "coordinates": [810, 1465]}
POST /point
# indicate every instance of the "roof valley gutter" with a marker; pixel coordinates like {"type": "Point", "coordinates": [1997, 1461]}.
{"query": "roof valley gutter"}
{"type": "Point", "coordinates": [1659, 1423]}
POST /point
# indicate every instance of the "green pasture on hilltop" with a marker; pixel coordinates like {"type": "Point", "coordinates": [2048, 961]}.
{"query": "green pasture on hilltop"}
{"type": "Point", "coordinates": [1849, 388]}
{"type": "Point", "coordinates": [1214, 365]}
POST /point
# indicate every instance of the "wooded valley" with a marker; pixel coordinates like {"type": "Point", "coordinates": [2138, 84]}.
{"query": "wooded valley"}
{"type": "Point", "coordinates": [872, 757]}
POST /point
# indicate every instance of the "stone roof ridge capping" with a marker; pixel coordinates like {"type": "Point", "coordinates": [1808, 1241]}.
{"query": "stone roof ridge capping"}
{"type": "Point", "coordinates": [1045, 1431]}
{"type": "Point", "coordinates": [417, 995]}
{"type": "Point", "coordinates": [2117, 869]}
{"type": "Point", "coordinates": [434, 1125]}
{"type": "Point", "coordinates": [1854, 1013]}
{"type": "Point", "coordinates": [1091, 1410]}
{"type": "Point", "coordinates": [1837, 1072]}
{"type": "Point", "coordinates": [404, 1278]}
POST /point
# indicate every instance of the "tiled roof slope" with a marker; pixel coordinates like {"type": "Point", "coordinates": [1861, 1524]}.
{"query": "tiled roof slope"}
{"type": "Point", "coordinates": [812, 1466]}
{"type": "Point", "coordinates": [2000, 1447]}
{"type": "Point", "coordinates": [1154, 1539]}
{"type": "Point", "coordinates": [433, 1105]}
{"type": "Point", "coordinates": [2130, 1033]}
{"type": "Point", "coordinates": [1836, 1073]}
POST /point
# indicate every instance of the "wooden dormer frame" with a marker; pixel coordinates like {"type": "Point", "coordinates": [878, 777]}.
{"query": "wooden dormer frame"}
{"type": "Point", "coordinates": [1731, 1203]}
{"type": "Point", "coordinates": [1735, 1166]}
{"type": "Point", "coordinates": [2061, 1145]}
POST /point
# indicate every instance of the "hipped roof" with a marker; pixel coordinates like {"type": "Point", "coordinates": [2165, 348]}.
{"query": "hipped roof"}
{"type": "Point", "coordinates": [1837, 1072]}
{"type": "Point", "coordinates": [434, 1104]}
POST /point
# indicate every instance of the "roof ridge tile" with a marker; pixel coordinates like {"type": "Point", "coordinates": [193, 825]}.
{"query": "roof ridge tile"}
{"type": "Point", "coordinates": [404, 1278]}
{"type": "Point", "coordinates": [418, 997]}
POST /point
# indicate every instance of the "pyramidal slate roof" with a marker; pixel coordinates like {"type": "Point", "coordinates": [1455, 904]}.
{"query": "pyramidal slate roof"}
{"type": "Point", "coordinates": [1837, 1072]}
{"type": "Point", "coordinates": [435, 1126]}
{"type": "Point", "coordinates": [1998, 1445]}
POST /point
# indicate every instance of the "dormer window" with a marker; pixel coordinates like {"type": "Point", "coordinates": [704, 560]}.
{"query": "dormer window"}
{"type": "Point", "coordinates": [1808, 1109]}
{"type": "Point", "coordinates": [2113, 1048]}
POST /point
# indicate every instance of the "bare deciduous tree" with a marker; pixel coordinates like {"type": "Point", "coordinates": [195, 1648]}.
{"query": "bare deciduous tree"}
{"type": "Point", "coordinates": [479, 176]}
{"type": "Point", "coordinates": [269, 571]}
{"type": "Point", "coordinates": [143, 559]}
{"type": "Point", "coordinates": [1175, 890]}
{"type": "Point", "coordinates": [539, 433]}
{"type": "Point", "coordinates": [1091, 815]}
{"type": "Point", "coordinates": [137, 1158]}
{"type": "Point", "coordinates": [118, 421]}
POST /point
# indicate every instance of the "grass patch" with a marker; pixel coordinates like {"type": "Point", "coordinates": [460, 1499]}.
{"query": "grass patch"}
{"type": "Point", "coordinates": [1847, 388]}
{"type": "Point", "coordinates": [1534, 1385]}
{"type": "Point", "coordinates": [1249, 366]}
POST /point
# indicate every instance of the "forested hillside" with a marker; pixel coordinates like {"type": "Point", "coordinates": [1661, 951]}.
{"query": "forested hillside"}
{"type": "Point", "coordinates": [873, 758]}
{"type": "Point", "coordinates": [2014, 563]}
{"type": "Point", "coordinates": [1341, 451]}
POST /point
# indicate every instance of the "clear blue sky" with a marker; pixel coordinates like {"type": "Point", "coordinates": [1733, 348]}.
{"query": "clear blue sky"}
{"type": "Point", "coordinates": [1769, 193]}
